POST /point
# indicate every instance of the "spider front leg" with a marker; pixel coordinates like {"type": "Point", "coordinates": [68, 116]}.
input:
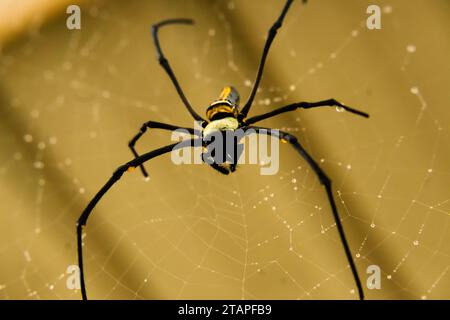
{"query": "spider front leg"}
{"type": "Point", "coordinates": [270, 37]}
{"type": "Point", "coordinates": [82, 221]}
{"type": "Point", "coordinates": [326, 182]}
{"type": "Point", "coordinates": [166, 66]}
{"type": "Point", "coordinates": [305, 105]}
{"type": "Point", "coordinates": [155, 125]}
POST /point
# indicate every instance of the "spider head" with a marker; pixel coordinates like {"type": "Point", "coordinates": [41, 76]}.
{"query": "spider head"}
{"type": "Point", "coordinates": [227, 105]}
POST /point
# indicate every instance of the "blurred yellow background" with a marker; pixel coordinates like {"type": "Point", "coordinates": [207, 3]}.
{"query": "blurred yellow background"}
{"type": "Point", "coordinates": [70, 100]}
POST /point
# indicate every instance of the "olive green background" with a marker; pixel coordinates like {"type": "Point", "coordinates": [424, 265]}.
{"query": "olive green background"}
{"type": "Point", "coordinates": [71, 100]}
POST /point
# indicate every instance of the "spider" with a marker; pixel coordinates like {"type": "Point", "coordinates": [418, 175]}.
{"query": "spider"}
{"type": "Point", "coordinates": [221, 115]}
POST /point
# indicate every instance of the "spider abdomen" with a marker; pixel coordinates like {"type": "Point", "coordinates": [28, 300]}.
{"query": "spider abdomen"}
{"type": "Point", "coordinates": [221, 141]}
{"type": "Point", "coordinates": [228, 123]}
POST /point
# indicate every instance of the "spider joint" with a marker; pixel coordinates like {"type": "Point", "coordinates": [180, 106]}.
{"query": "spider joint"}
{"type": "Point", "coordinates": [275, 27]}
{"type": "Point", "coordinates": [163, 61]}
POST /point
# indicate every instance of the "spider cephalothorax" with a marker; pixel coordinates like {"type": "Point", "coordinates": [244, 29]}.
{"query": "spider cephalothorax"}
{"type": "Point", "coordinates": [227, 105]}
{"type": "Point", "coordinates": [223, 115]}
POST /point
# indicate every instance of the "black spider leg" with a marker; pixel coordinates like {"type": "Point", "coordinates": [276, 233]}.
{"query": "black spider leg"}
{"type": "Point", "coordinates": [165, 63]}
{"type": "Point", "coordinates": [327, 184]}
{"type": "Point", "coordinates": [115, 177]}
{"type": "Point", "coordinates": [270, 37]}
{"type": "Point", "coordinates": [219, 169]}
{"type": "Point", "coordinates": [155, 125]}
{"type": "Point", "coordinates": [305, 105]}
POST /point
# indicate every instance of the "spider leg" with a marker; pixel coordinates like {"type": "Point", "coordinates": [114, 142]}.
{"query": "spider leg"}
{"type": "Point", "coordinates": [165, 63]}
{"type": "Point", "coordinates": [115, 177]}
{"type": "Point", "coordinates": [215, 166]}
{"type": "Point", "coordinates": [326, 182]}
{"type": "Point", "coordinates": [155, 125]}
{"type": "Point", "coordinates": [220, 169]}
{"type": "Point", "coordinates": [305, 105]}
{"type": "Point", "coordinates": [270, 37]}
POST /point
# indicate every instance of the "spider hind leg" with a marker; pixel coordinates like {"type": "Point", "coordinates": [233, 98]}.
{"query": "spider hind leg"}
{"type": "Point", "coordinates": [220, 168]}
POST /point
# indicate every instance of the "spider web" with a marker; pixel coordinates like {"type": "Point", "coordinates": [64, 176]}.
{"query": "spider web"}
{"type": "Point", "coordinates": [71, 100]}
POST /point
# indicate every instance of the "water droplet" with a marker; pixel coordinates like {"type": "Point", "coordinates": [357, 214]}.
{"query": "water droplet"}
{"type": "Point", "coordinates": [41, 145]}
{"type": "Point", "coordinates": [28, 138]}
{"type": "Point", "coordinates": [387, 9]}
{"type": "Point", "coordinates": [411, 48]}
{"type": "Point", "coordinates": [38, 164]}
